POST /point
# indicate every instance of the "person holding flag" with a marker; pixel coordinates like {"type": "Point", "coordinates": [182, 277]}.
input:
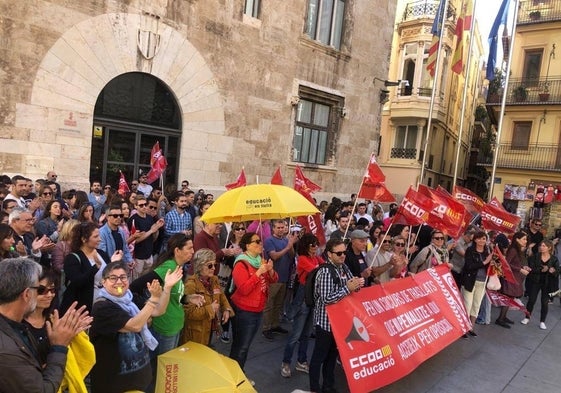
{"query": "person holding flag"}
{"type": "Point", "coordinates": [516, 258]}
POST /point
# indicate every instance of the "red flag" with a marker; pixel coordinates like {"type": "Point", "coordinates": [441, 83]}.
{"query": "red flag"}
{"type": "Point", "coordinates": [240, 181]}
{"type": "Point", "coordinates": [505, 266]}
{"type": "Point", "coordinates": [471, 201]}
{"type": "Point", "coordinates": [374, 172]}
{"type": "Point", "coordinates": [457, 207]}
{"type": "Point", "coordinates": [158, 164]}
{"type": "Point", "coordinates": [306, 187]}
{"type": "Point", "coordinates": [496, 218]}
{"type": "Point", "coordinates": [277, 177]}
{"type": "Point", "coordinates": [414, 209]}
{"type": "Point", "coordinates": [123, 186]}
{"type": "Point", "coordinates": [463, 24]}
{"type": "Point", "coordinates": [500, 300]}
{"type": "Point", "coordinates": [448, 215]}
{"type": "Point", "coordinates": [495, 202]}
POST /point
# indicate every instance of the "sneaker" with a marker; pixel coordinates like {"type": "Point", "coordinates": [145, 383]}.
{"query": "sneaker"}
{"type": "Point", "coordinates": [225, 337]}
{"type": "Point", "coordinates": [285, 370]}
{"type": "Point", "coordinates": [268, 334]}
{"type": "Point", "coordinates": [279, 329]}
{"type": "Point", "coordinates": [542, 326]}
{"type": "Point", "coordinates": [303, 367]}
{"type": "Point", "coordinates": [525, 321]}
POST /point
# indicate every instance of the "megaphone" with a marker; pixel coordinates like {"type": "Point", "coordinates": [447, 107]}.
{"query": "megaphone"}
{"type": "Point", "coordinates": [358, 333]}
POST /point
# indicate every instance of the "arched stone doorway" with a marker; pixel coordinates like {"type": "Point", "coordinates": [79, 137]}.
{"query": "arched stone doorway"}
{"type": "Point", "coordinates": [133, 112]}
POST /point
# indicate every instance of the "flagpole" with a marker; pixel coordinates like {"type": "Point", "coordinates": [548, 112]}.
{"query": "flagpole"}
{"type": "Point", "coordinates": [464, 95]}
{"type": "Point", "coordinates": [503, 103]}
{"type": "Point", "coordinates": [433, 93]}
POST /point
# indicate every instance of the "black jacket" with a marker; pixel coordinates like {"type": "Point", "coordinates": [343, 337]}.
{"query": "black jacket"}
{"type": "Point", "coordinates": [473, 262]}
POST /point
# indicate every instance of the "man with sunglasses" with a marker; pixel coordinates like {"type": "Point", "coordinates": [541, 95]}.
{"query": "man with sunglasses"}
{"type": "Point", "coordinates": [22, 370]}
{"type": "Point", "coordinates": [147, 231]}
{"type": "Point", "coordinates": [329, 290]}
{"type": "Point", "coordinates": [113, 236]}
{"type": "Point", "coordinates": [380, 258]}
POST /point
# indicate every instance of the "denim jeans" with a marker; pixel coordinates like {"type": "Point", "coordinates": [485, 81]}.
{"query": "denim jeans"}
{"type": "Point", "coordinates": [245, 326]}
{"type": "Point", "coordinates": [165, 344]}
{"type": "Point", "coordinates": [323, 360]}
{"type": "Point", "coordinates": [301, 315]}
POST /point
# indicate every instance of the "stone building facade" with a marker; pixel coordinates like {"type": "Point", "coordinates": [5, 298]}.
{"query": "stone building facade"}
{"type": "Point", "coordinates": [89, 86]}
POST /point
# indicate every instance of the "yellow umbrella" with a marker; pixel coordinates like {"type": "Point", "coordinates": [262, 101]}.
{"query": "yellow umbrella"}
{"type": "Point", "coordinates": [258, 202]}
{"type": "Point", "coordinates": [197, 368]}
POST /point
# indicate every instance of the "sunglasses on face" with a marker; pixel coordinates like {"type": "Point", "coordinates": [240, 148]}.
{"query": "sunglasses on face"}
{"type": "Point", "coordinates": [338, 253]}
{"type": "Point", "coordinates": [141, 204]}
{"type": "Point", "coordinates": [107, 187]}
{"type": "Point", "coordinates": [47, 193]}
{"type": "Point", "coordinates": [239, 229]}
{"type": "Point", "coordinates": [43, 290]}
{"type": "Point", "coordinates": [386, 241]}
{"type": "Point", "coordinates": [211, 265]}
{"type": "Point", "coordinates": [438, 238]}
{"type": "Point", "coordinates": [399, 244]}
{"type": "Point", "coordinates": [116, 215]}
{"type": "Point", "coordinates": [153, 207]}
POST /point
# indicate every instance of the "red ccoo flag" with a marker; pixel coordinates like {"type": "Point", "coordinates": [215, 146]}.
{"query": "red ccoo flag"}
{"type": "Point", "coordinates": [240, 181]}
{"type": "Point", "coordinates": [414, 209]}
{"type": "Point", "coordinates": [446, 217]}
{"type": "Point", "coordinates": [123, 186]}
{"type": "Point", "coordinates": [277, 177]}
{"type": "Point", "coordinates": [158, 164]}
{"type": "Point", "coordinates": [305, 187]}
{"type": "Point", "coordinates": [472, 202]}
{"type": "Point", "coordinates": [497, 218]}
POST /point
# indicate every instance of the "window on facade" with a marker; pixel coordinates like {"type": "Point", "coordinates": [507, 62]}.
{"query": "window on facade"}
{"type": "Point", "coordinates": [425, 87]}
{"type": "Point", "coordinates": [405, 142]}
{"type": "Point", "coordinates": [409, 63]}
{"type": "Point", "coordinates": [252, 8]}
{"type": "Point", "coordinates": [521, 135]}
{"type": "Point", "coordinates": [317, 120]}
{"type": "Point", "coordinates": [532, 66]}
{"type": "Point", "coordinates": [325, 21]}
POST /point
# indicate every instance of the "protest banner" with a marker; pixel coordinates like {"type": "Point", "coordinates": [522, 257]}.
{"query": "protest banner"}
{"type": "Point", "coordinates": [384, 332]}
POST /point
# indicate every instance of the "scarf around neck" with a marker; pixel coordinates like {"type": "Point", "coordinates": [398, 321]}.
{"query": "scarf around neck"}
{"type": "Point", "coordinates": [253, 261]}
{"type": "Point", "coordinates": [126, 303]}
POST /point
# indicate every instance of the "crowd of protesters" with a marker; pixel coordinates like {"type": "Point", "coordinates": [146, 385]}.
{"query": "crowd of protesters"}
{"type": "Point", "coordinates": [153, 276]}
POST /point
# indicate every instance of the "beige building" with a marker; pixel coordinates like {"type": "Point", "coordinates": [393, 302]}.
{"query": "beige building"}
{"type": "Point", "coordinates": [88, 87]}
{"type": "Point", "coordinates": [529, 152]}
{"type": "Point", "coordinates": [405, 114]}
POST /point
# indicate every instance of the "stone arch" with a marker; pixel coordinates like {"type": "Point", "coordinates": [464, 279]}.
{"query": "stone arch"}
{"type": "Point", "coordinates": [93, 52]}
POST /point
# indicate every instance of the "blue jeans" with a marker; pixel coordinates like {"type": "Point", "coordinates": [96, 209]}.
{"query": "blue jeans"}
{"type": "Point", "coordinates": [165, 344]}
{"type": "Point", "coordinates": [323, 360]}
{"type": "Point", "coordinates": [245, 326]}
{"type": "Point", "coordinates": [301, 315]}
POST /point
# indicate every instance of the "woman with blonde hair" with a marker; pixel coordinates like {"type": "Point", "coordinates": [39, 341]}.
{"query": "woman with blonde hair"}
{"type": "Point", "coordinates": [200, 322]}
{"type": "Point", "coordinates": [62, 247]}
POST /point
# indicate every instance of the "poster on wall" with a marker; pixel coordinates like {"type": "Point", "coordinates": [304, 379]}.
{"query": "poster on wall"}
{"type": "Point", "coordinates": [516, 193]}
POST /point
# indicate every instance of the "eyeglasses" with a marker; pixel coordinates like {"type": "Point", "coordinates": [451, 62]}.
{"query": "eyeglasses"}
{"type": "Point", "coordinates": [257, 241]}
{"type": "Point", "coordinates": [386, 241]}
{"type": "Point", "coordinates": [538, 225]}
{"type": "Point", "coordinates": [153, 207]}
{"type": "Point", "coordinates": [438, 238]}
{"type": "Point", "coordinates": [114, 279]}
{"type": "Point", "coordinates": [314, 245]}
{"type": "Point", "coordinates": [141, 205]}
{"type": "Point", "coordinates": [338, 253]}
{"type": "Point", "coordinates": [134, 184]}
{"type": "Point", "coordinates": [107, 187]}
{"type": "Point", "coordinates": [116, 215]}
{"type": "Point", "coordinates": [239, 229]}
{"type": "Point", "coordinates": [184, 185]}
{"type": "Point", "coordinates": [399, 244]}
{"type": "Point", "coordinates": [47, 193]}
{"type": "Point", "coordinates": [211, 265]}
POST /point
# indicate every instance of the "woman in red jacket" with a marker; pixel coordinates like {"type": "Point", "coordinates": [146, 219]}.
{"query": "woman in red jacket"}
{"type": "Point", "coordinates": [251, 278]}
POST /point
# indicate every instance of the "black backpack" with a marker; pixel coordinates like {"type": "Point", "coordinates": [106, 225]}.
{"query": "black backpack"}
{"type": "Point", "coordinates": [309, 288]}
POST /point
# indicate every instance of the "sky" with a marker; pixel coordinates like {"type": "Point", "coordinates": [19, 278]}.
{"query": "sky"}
{"type": "Point", "coordinates": [485, 14]}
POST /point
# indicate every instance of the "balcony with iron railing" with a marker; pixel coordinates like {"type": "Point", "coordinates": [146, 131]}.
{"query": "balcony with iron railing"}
{"type": "Point", "coordinates": [522, 91]}
{"type": "Point", "coordinates": [426, 9]}
{"type": "Point", "coordinates": [539, 11]}
{"type": "Point", "coordinates": [534, 157]}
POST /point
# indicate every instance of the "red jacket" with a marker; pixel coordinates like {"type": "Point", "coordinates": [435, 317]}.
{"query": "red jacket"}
{"type": "Point", "coordinates": [305, 265]}
{"type": "Point", "coordinates": [251, 291]}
